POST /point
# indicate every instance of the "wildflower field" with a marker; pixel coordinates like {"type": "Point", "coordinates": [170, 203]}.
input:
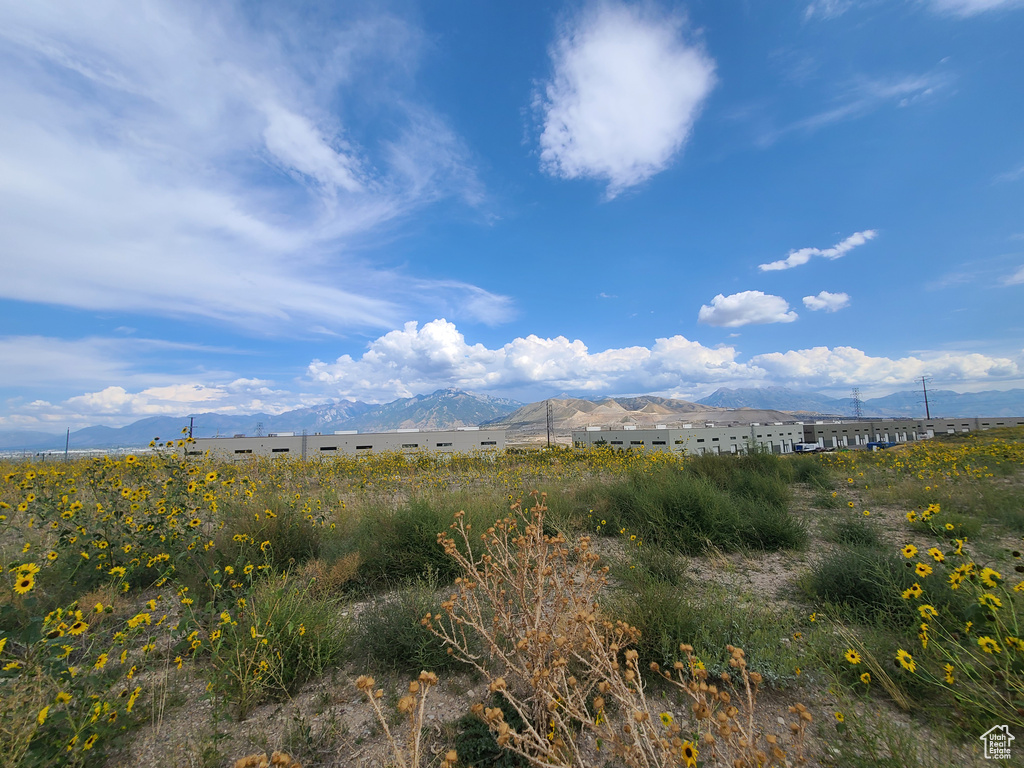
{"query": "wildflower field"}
{"type": "Point", "coordinates": [843, 609]}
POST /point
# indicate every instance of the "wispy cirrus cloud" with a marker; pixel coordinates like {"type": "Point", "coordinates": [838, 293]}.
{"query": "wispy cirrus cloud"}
{"type": "Point", "coordinates": [801, 256]}
{"type": "Point", "coordinates": [860, 97]}
{"type": "Point", "coordinates": [176, 159]}
{"type": "Point", "coordinates": [625, 92]}
{"type": "Point", "coordinates": [972, 7]}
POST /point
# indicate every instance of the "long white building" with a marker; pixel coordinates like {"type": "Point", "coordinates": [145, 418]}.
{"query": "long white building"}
{"type": "Point", "coordinates": [349, 443]}
{"type": "Point", "coordinates": [781, 437]}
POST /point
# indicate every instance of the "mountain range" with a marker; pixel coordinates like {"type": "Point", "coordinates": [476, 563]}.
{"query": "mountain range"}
{"type": "Point", "coordinates": [906, 404]}
{"type": "Point", "coordinates": [450, 408]}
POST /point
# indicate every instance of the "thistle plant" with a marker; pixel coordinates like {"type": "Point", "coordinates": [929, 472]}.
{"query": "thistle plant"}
{"type": "Point", "coordinates": [569, 671]}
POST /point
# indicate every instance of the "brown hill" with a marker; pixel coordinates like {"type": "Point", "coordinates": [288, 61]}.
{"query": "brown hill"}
{"type": "Point", "coordinates": [529, 423]}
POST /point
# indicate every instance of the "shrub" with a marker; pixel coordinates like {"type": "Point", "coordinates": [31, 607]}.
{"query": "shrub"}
{"type": "Point", "coordinates": [402, 545]}
{"type": "Point", "coordinates": [390, 638]}
{"type": "Point", "coordinates": [853, 531]}
{"type": "Point", "coordinates": [688, 511]}
{"type": "Point", "coordinates": [277, 638]}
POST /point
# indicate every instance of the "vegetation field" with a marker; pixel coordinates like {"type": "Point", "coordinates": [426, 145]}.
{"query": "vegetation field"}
{"type": "Point", "coordinates": [559, 607]}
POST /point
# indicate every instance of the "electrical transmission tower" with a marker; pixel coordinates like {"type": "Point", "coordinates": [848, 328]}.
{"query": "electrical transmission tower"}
{"type": "Point", "coordinates": [858, 404]}
{"type": "Point", "coordinates": [924, 386]}
{"type": "Point", "coordinates": [259, 429]}
{"type": "Point", "coordinates": [551, 421]}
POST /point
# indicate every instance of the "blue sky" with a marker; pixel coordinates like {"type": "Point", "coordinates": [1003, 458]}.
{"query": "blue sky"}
{"type": "Point", "coordinates": [240, 207]}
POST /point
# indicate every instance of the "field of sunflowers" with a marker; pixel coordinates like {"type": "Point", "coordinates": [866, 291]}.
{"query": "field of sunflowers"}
{"type": "Point", "coordinates": [894, 610]}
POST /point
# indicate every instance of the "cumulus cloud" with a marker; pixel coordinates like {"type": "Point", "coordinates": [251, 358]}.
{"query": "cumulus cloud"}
{"type": "Point", "coordinates": [746, 308]}
{"type": "Point", "coordinates": [831, 302]}
{"type": "Point", "coordinates": [625, 92]}
{"type": "Point", "coordinates": [840, 366]}
{"type": "Point", "coordinates": [803, 255]}
{"type": "Point", "coordinates": [175, 158]}
{"type": "Point", "coordinates": [972, 7]}
{"type": "Point", "coordinates": [420, 359]}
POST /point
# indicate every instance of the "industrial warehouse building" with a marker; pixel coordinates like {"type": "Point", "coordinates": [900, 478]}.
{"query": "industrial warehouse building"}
{"type": "Point", "coordinates": [781, 437]}
{"type": "Point", "coordinates": [349, 443]}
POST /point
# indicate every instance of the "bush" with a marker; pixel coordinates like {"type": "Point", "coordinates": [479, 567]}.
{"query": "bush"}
{"type": "Point", "coordinates": [667, 616]}
{"type": "Point", "coordinates": [853, 531]}
{"type": "Point", "coordinates": [390, 637]}
{"type": "Point", "coordinates": [278, 638]}
{"type": "Point", "coordinates": [687, 511]}
{"type": "Point", "coordinates": [402, 545]}
{"type": "Point", "coordinates": [807, 469]}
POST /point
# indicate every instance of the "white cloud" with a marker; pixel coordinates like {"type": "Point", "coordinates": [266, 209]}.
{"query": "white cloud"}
{"type": "Point", "coordinates": [843, 366]}
{"type": "Point", "coordinates": [746, 308]}
{"type": "Point", "coordinates": [831, 302]}
{"type": "Point", "coordinates": [827, 9]}
{"type": "Point", "coordinates": [860, 97]}
{"type": "Point", "coordinates": [624, 95]}
{"type": "Point", "coordinates": [1017, 278]}
{"type": "Point", "coordinates": [801, 256]}
{"type": "Point", "coordinates": [972, 7]}
{"type": "Point", "coordinates": [415, 360]}
{"type": "Point", "coordinates": [172, 158]}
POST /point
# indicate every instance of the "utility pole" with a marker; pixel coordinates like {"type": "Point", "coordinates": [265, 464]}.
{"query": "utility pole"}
{"type": "Point", "coordinates": [550, 420]}
{"type": "Point", "coordinates": [191, 423]}
{"type": "Point", "coordinates": [924, 385]}
{"type": "Point", "coordinates": [67, 444]}
{"type": "Point", "coordinates": [858, 404]}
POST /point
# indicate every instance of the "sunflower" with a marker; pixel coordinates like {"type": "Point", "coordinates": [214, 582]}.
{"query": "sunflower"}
{"type": "Point", "coordinates": [28, 569]}
{"type": "Point", "coordinates": [130, 459]}
{"type": "Point", "coordinates": [852, 656]}
{"type": "Point", "coordinates": [24, 584]}
{"type": "Point", "coordinates": [906, 660]}
{"type": "Point", "coordinates": [990, 577]}
{"type": "Point", "coordinates": [77, 628]}
{"type": "Point", "coordinates": [927, 611]}
{"type": "Point", "coordinates": [948, 669]}
{"type": "Point", "coordinates": [988, 645]}
{"type": "Point", "coordinates": [666, 718]}
{"type": "Point", "coordinates": [90, 742]}
{"type": "Point", "coordinates": [922, 569]}
{"type": "Point", "coordinates": [988, 600]}
{"type": "Point", "coordinates": [840, 718]}
{"type": "Point", "coordinates": [936, 554]}
{"type": "Point", "coordinates": [865, 678]}
{"type": "Point", "coordinates": [909, 551]}
{"type": "Point", "coordinates": [210, 477]}
{"type": "Point", "coordinates": [689, 752]}
{"type": "Point", "coordinates": [915, 592]}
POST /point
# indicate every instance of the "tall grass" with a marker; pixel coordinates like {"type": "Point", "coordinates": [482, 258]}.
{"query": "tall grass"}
{"type": "Point", "coordinates": [726, 502]}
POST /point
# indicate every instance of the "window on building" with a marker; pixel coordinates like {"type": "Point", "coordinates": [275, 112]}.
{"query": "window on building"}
{"type": "Point", "coordinates": [616, 442]}
{"type": "Point", "coordinates": [279, 450]}
{"type": "Point", "coordinates": [243, 450]}
{"type": "Point", "coordinates": [636, 442]}
{"type": "Point", "coordinates": [488, 442]}
{"type": "Point", "coordinates": [657, 442]}
{"type": "Point", "coordinates": [700, 439]}
{"type": "Point", "coordinates": [714, 439]}
{"type": "Point", "coordinates": [410, 445]}
{"type": "Point", "coordinates": [363, 447]}
{"type": "Point", "coordinates": [328, 447]}
{"type": "Point", "coordinates": [444, 445]}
